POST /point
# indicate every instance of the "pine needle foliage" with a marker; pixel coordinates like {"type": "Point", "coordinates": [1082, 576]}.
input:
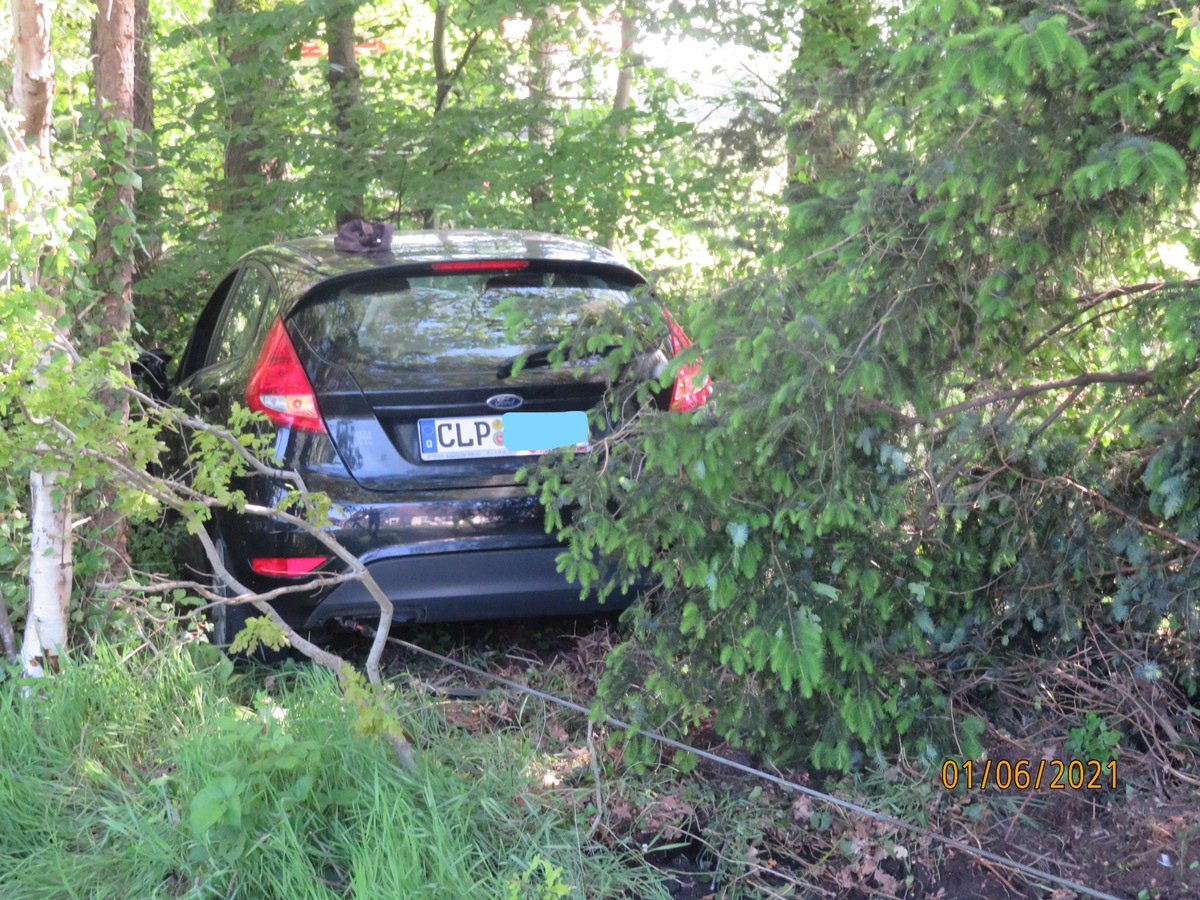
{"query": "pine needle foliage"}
{"type": "Point", "coordinates": [955, 412]}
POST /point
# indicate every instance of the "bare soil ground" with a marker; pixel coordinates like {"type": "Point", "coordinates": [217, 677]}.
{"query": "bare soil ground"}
{"type": "Point", "coordinates": [713, 832]}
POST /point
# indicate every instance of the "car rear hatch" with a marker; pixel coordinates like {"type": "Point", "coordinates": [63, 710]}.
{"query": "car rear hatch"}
{"type": "Point", "coordinates": [414, 369]}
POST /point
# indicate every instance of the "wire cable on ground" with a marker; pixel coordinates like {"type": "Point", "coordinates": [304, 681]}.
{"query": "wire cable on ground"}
{"type": "Point", "coordinates": [767, 776]}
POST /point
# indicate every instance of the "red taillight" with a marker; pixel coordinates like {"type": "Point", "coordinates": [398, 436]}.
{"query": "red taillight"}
{"type": "Point", "coordinates": [279, 388]}
{"type": "Point", "coordinates": [287, 566]}
{"type": "Point", "coordinates": [473, 266]}
{"type": "Point", "coordinates": [690, 392]}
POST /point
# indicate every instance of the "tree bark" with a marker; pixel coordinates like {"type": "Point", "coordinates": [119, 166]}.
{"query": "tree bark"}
{"type": "Point", "coordinates": [624, 92]}
{"type": "Point", "coordinates": [143, 94]}
{"type": "Point", "coordinates": [50, 508]}
{"type": "Point", "coordinates": [344, 79]}
{"type": "Point", "coordinates": [113, 254]}
{"type": "Point", "coordinates": [33, 72]}
{"type": "Point", "coordinates": [50, 572]}
{"type": "Point", "coordinates": [441, 71]}
{"type": "Point", "coordinates": [247, 164]}
{"type": "Point", "coordinates": [541, 82]}
{"type": "Point", "coordinates": [149, 248]}
{"type": "Point", "coordinates": [8, 639]}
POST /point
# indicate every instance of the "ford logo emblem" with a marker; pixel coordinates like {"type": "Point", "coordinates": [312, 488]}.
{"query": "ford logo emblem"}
{"type": "Point", "coordinates": [504, 401]}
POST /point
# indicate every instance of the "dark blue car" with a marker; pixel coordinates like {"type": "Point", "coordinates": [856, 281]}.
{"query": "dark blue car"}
{"type": "Point", "coordinates": [397, 386]}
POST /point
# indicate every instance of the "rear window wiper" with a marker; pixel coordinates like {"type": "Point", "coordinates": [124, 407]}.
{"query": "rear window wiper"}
{"type": "Point", "coordinates": [535, 358]}
{"type": "Point", "coordinates": [539, 358]}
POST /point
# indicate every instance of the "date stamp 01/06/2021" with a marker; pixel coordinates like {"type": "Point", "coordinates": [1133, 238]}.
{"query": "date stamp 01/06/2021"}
{"type": "Point", "coordinates": [1025, 775]}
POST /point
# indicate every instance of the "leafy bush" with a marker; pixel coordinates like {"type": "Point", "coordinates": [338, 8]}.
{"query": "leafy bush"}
{"type": "Point", "coordinates": [128, 775]}
{"type": "Point", "coordinates": [952, 412]}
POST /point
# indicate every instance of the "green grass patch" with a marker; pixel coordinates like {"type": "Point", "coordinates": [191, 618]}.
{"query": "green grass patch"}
{"type": "Point", "coordinates": [172, 776]}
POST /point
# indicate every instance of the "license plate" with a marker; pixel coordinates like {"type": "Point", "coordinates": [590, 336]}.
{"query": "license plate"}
{"type": "Point", "coordinates": [471, 437]}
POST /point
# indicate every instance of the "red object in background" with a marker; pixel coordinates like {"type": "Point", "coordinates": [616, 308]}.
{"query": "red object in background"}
{"type": "Point", "coordinates": [318, 49]}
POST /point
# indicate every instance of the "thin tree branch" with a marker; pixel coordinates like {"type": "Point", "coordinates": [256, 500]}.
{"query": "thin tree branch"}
{"type": "Point", "coordinates": [161, 587]}
{"type": "Point", "coordinates": [1143, 376]}
{"type": "Point", "coordinates": [462, 60]}
{"type": "Point", "coordinates": [1108, 506]}
{"type": "Point", "coordinates": [1090, 301]}
{"type": "Point", "coordinates": [308, 648]}
{"type": "Point", "coordinates": [1058, 411]}
{"type": "Point", "coordinates": [1010, 206]}
{"type": "Point", "coordinates": [444, 77]}
{"type": "Point", "coordinates": [177, 491]}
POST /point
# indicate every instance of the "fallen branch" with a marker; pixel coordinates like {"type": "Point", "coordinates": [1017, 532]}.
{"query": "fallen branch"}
{"type": "Point", "coordinates": [183, 498]}
{"type": "Point", "coordinates": [179, 496]}
{"type": "Point", "coordinates": [1142, 376]}
{"type": "Point", "coordinates": [162, 587]}
{"type": "Point", "coordinates": [401, 747]}
{"type": "Point", "coordinates": [1091, 301]}
{"type": "Point", "coordinates": [301, 643]}
{"type": "Point", "coordinates": [1108, 506]}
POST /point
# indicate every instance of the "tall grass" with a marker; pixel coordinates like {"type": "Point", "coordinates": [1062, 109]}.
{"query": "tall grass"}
{"type": "Point", "coordinates": [169, 776]}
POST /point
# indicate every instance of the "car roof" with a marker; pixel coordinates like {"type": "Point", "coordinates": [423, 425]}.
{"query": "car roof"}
{"type": "Point", "coordinates": [317, 259]}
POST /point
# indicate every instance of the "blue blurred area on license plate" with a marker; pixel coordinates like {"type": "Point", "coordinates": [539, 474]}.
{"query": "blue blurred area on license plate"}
{"type": "Point", "coordinates": [469, 437]}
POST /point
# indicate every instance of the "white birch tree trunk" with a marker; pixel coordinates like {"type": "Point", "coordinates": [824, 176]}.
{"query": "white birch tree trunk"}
{"type": "Point", "coordinates": [33, 72]}
{"type": "Point", "coordinates": [50, 572]}
{"type": "Point", "coordinates": [50, 515]}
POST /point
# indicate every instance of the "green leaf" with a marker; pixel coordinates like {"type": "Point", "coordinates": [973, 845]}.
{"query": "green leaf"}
{"type": "Point", "coordinates": [212, 803]}
{"type": "Point", "coordinates": [824, 590]}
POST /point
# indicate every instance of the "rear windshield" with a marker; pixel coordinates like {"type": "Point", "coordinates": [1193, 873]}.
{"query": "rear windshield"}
{"type": "Point", "coordinates": [458, 321]}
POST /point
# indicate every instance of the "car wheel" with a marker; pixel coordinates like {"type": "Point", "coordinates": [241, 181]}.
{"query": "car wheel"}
{"type": "Point", "coordinates": [228, 619]}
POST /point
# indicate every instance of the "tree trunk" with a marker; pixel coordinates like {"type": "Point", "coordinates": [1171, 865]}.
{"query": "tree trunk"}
{"type": "Point", "coordinates": [33, 72]}
{"type": "Point", "coordinates": [8, 639]}
{"type": "Point", "coordinates": [247, 166]}
{"type": "Point", "coordinates": [443, 82]}
{"type": "Point", "coordinates": [50, 573]}
{"type": "Point", "coordinates": [143, 95]}
{"type": "Point", "coordinates": [444, 79]}
{"type": "Point", "coordinates": [113, 254]}
{"type": "Point", "coordinates": [624, 93]}
{"type": "Point", "coordinates": [344, 80]}
{"type": "Point", "coordinates": [149, 248]}
{"type": "Point", "coordinates": [50, 509]}
{"type": "Point", "coordinates": [441, 71]}
{"type": "Point", "coordinates": [541, 81]}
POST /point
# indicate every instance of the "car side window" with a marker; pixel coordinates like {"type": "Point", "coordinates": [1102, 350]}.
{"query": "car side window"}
{"type": "Point", "coordinates": [239, 320]}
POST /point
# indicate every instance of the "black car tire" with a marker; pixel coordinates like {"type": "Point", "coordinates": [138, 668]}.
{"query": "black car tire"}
{"type": "Point", "coordinates": [230, 618]}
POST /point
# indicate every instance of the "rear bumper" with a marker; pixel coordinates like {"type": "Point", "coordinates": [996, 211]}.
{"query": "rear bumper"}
{"type": "Point", "coordinates": [454, 587]}
{"type": "Point", "coordinates": [441, 557]}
